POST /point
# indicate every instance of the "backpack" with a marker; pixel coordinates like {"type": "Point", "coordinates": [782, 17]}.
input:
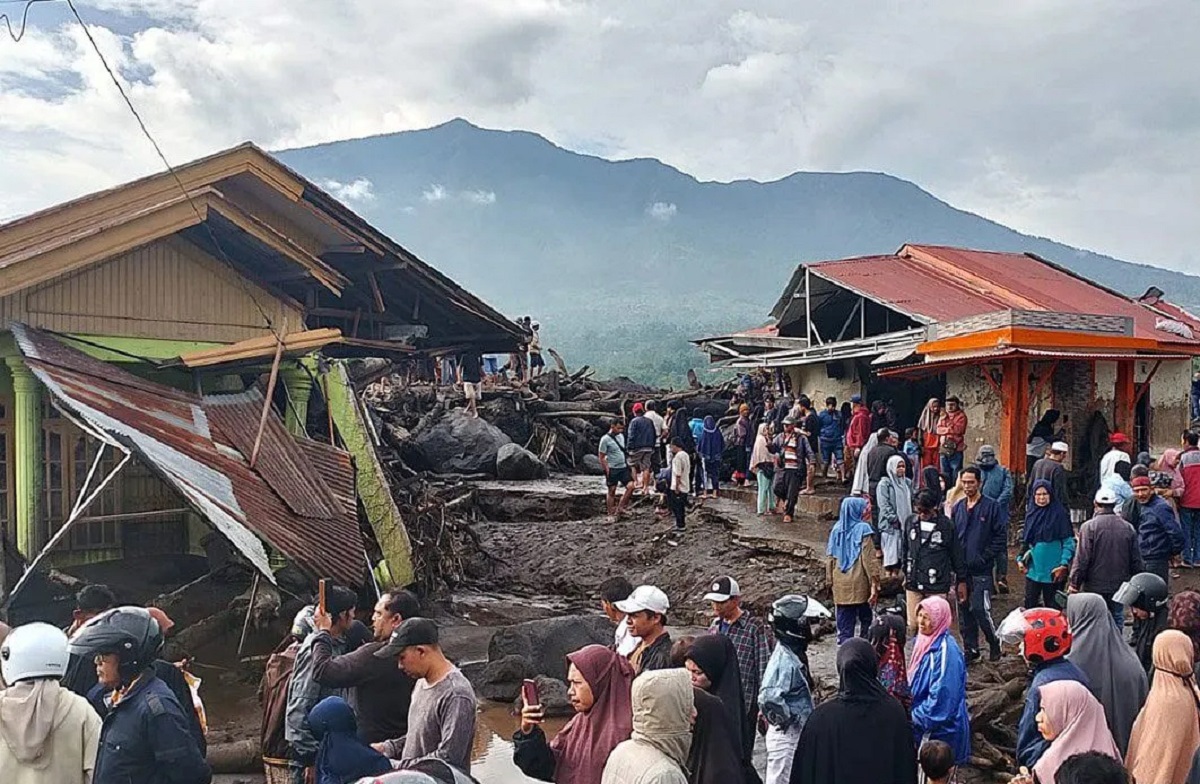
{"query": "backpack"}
{"type": "Point", "coordinates": [272, 693]}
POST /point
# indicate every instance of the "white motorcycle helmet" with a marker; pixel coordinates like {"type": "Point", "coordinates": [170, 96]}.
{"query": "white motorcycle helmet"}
{"type": "Point", "coordinates": [35, 650]}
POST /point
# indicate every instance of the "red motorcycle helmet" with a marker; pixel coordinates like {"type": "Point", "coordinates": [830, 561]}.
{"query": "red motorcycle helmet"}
{"type": "Point", "coordinates": [1047, 636]}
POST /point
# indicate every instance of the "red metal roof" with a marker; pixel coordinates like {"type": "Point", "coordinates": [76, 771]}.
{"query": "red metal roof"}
{"type": "Point", "coordinates": [935, 283]}
{"type": "Point", "coordinates": [170, 432]}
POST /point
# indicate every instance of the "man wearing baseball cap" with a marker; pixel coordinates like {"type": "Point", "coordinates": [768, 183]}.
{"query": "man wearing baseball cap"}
{"type": "Point", "coordinates": [1051, 469]}
{"type": "Point", "coordinates": [750, 639]}
{"type": "Point", "coordinates": [1160, 537]}
{"type": "Point", "coordinates": [646, 613]}
{"type": "Point", "coordinates": [1107, 555]}
{"type": "Point", "coordinates": [441, 716]}
{"type": "Point", "coordinates": [640, 442]}
{"type": "Point", "coordinates": [1119, 453]}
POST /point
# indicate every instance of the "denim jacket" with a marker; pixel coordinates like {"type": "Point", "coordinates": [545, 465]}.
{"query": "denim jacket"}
{"type": "Point", "coordinates": [785, 700]}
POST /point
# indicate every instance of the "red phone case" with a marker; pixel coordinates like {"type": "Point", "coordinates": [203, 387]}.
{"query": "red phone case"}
{"type": "Point", "coordinates": [529, 693]}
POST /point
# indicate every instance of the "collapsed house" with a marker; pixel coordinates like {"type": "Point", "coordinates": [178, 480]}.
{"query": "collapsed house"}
{"type": "Point", "coordinates": [142, 327]}
{"type": "Point", "coordinates": [1010, 334]}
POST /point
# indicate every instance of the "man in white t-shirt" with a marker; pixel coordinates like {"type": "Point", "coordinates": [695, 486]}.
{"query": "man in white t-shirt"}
{"type": "Point", "coordinates": [613, 590]}
{"type": "Point", "coordinates": [1118, 454]}
{"type": "Point", "coordinates": [681, 470]}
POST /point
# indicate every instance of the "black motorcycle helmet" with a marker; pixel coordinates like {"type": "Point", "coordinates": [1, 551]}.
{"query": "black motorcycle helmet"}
{"type": "Point", "coordinates": [791, 618]}
{"type": "Point", "coordinates": [1145, 591]}
{"type": "Point", "coordinates": [130, 632]}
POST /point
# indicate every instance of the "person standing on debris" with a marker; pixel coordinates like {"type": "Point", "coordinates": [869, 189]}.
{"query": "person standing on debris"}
{"type": "Point", "coordinates": [441, 716]}
{"type": "Point", "coordinates": [858, 432]}
{"type": "Point", "coordinates": [91, 601]}
{"type": "Point", "coordinates": [861, 736]}
{"type": "Point", "coordinates": [931, 553]}
{"type": "Point", "coordinates": [952, 435]}
{"type": "Point", "coordinates": [677, 492]}
{"type": "Point", "coordinates": [793, 458]}
{"type": "Point", "coordinates": [599, 689]}
{"type": "Point", "coordinates": [786, 696]}
{"type": "Point", "coordinates": [895, 492]}
{"type": "Point", "coordinates": [304, 692]}
{"type": "Point", "coordinates": [612, 591]}
{"type": "Point", "coordinates": [382, 691]}
{"type": "Point", "coordinates": [927, 434]}
{"type": "Point", "coordinates": [646, 614]}
{"type": "Point", "coordinates": [983, 533]}
{"type": "Point", "coordinates": [145, 736]}
{"type": "Point", "coordinates": [536, 363]}
{"type": "Point", "coordinates": [1045, 639]}
{"type": "Point", "coordinates": [937, 675]}
{"type": "Point", "coordinates": [997, 484]}
{"type": "Point", "coordinates": [762, 465]}
{"type": "Point", "coordinates": [48, 735]}
{"type": "Point", "coordinates": [1052, 470]}
{"type": "Point", "coordinates": [664, 710]}
{"type": "Point", "coordinates": [1189, 502]}
{"type": "Point", "coordinates": [471, 365]}
{"type": "Point", "coordinates": [1047, 548]}
{"type": "Point", "coordinates": [641, 441]}
{"type": "Point", "coordinates": [1166, 736]}
{"type": "Point", "coordinates": [830, 440]}
{"type": "Point", "coordinates": [743, 442]}
{"type": "Point", "coordinates": [751, 641]}
{"type": "Point", "coordinates": [616, 468]}
{"type": "Point", "coordinates": [853, 569]}
{"type": "Point", "coordinates": [1118, 453]}
{"type": "Point", "coordinates": [711, 447]}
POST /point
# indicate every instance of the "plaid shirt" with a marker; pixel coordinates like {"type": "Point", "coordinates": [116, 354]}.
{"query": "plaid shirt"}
{"type": "Point", "coordinates": [753, 642]}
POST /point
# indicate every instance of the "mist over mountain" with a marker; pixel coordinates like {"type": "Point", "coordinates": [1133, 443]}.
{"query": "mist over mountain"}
{"type": "Point", "coordinates": [623, 262]}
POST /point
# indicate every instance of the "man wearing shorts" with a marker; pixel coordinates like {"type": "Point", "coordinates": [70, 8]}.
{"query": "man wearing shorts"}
{"type": "Point", "coordinates": [830, 439]}
{"type": "Point", "coordinates": [536, 363]}
{"type": "Point", "coordinates": [616, 468]}
{"type": "Point", "coordinates": [641, 441]}
{"type": "Point", "coordinates": [471, 367]}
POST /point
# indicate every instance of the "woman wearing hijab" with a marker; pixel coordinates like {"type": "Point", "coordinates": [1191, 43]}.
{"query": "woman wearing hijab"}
{"type": "Point", "coordinates": [762, 465]}
{"type": "Point", "coordinates": [711, 447]}
{"type": "Point", "coordinates": [937, 675]}
{"type": "Point", "coordinates": [1166, 734]}
{"type": "Point", "coordinates": [927, 434]}
{"type": "Point", "coordinates": [713, 666]}
{"type": "Point", "coordinates": [599, 682]}
{"type": "Point", "coordinates": [952, 495]}
{"type": "Point", "coordinates": [1040, 439]}
{"type": "Point", "coordinates": [853, 568]}
{"type": "Point", "coordinates": [1048, 547]}
{"type": "Point", "coordinates": [862, 736]}
{"type": "Point", "coordinates": [342, 757]}
{"type": "Point", "coordinates": [663, 711]}
{"type": "Point", "coordinates": [895, 494]}
{"type": "Point", "coordinates": [1112, 668]}
{"type": "Point", "coordinates": [932, 479]}
{"type": "Point", "coordinates": [862, 481]}
{"type": "Point", "coordinates": [1183, 614]}
{"type": "Point", "coordinates": [887, 636]}
{"type": "Point", "coordinates": [1073, 723]}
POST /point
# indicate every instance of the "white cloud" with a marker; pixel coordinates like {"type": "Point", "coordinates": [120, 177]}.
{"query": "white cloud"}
{"type": "Point", "coordinates": [1075, 121]}
{"type": "Point", "coordinates": [434, 193]}
{"type": "Point", "coordinates": [661, 210]}
{"type": "Point", "coordinates": [361, 190]}
{"type": "Point", "coordinates": [480, 197]}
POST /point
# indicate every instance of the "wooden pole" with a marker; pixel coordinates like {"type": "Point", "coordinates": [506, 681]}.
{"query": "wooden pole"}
{"type": "Point", "coordinates": [249, 612]}
{"type": "Point", "coordinates": [1014, 401]}
{"type": "Point", "coordinates": [262, 420]}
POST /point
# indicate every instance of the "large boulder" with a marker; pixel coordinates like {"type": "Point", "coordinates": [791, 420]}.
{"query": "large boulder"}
{"type": "Point", "coordinates": [546, 643]}
{"type": "Point", "coordinates": [501, 679]}
{"type": "Point", "coordinates": [457, 443]}
{"type": "Point", "coordinates": [591, 465]}
{"type": "Point", "coordinates": [515, 462]}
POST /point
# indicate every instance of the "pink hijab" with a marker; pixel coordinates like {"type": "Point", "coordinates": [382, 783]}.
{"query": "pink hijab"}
{"type": "Point", "coordinates": [1078, 718]}
{"type": "Point", "coordinates": [582, 747]}
{"type": "Point", "coordinates": [938, 610]}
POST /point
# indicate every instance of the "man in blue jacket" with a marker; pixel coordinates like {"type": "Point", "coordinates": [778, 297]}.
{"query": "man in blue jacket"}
{"type": "Point", "coordinates": [998, 486]}
{"type": "Point", "coordinates": [640, 441]}
{"type": "Point", "coordinates": [1045, 644]}
{"type": "Point", "coordinates": [1160, 537]}
{"type": "Point", "coordinates": [983, 532]}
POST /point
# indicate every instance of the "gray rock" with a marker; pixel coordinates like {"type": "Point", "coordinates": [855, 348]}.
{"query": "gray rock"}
{"type": "Point", "coordinates": [501, 678]}
{"type": "Point", "coordinates": [552, 694]}
{"type": "Point", "coordinates": [457, 443]}
{"type": "Point", "coordinates": [546, 643]}
{"type": "Point", "coordinates": [591, 465]}
{"type": "Point", "coordinates": [515, 462]}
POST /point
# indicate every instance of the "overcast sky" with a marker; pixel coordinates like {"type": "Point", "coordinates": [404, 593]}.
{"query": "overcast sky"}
{"type": "Point", "coordinates": [1078, 121]}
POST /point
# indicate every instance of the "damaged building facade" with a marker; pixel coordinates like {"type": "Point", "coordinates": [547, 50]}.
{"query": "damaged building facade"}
{"type": "Point", "coordinates": [1010, 334]}
{"type": "Point", "coordinates": [172, 378]}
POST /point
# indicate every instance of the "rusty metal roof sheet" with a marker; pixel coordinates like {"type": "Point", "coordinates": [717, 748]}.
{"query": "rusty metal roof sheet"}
{"type": "Point", "coordinates": [170, 431]}
{"type": "Point", "coordinates": [935, 283]}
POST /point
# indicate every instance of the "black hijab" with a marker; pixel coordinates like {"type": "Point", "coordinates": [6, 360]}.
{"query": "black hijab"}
{"type": "Point", "coordinates": [714, 757]}
{"type": "Point", "coordinates": [1044, 429]}
{"type": "Point", "coordinates": [932, 480]}
{"type": "Point", "coordinates": [863, 735]}
{"type": "Point", "coordinates": [681, 428]}
{"type": "Point", "coordinates": [716, 657]}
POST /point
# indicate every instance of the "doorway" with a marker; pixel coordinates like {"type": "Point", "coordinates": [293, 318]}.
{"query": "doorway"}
{"type": "Point", "coordinates": [907, 396]}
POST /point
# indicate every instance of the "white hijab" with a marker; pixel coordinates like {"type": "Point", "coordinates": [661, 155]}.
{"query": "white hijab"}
{"type": "Point", "coordinates": [861, 483]}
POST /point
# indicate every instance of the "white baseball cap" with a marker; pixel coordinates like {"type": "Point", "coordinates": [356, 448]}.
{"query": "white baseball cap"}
{"type": "Point", "coordinates": [645, 597]}
{"type": "Point", "coordinates": [1059, 446]}
{"type": "Point", "coordinates": [1106, 496]}
{"type": "Point", "coordinates": [722, 590]}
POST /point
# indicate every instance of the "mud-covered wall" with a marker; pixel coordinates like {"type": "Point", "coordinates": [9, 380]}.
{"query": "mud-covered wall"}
{"type": "Point", "coordinates": [814, 381]}
{"type": "Point", "coordinates": [981, 404]}
{"type": "Point", "coordinates": [1169, 415]}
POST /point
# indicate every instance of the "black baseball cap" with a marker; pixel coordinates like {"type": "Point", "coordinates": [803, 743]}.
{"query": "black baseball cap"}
{"type": "Point", "coordinates": [414, 631]}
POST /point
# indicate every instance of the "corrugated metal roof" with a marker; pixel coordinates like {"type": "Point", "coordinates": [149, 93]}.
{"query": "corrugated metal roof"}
{"type": "Point", "coordinates": [170, 432]}
{"type": "Point", "coordinates": [937, 283]}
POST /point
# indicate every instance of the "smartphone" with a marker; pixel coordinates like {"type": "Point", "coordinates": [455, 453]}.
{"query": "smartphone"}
{"type": "Point", "coordinates": [321, 595]}
{"type": "Point", "coordinates": [529, 693]}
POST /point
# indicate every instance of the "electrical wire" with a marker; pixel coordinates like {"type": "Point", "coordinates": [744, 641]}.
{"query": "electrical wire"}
{"type": "Point", "coordinates": [17, 36]}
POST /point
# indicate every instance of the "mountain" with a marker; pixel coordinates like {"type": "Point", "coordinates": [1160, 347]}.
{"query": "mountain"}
{"type": "Point", "coordinates": [623, 262]}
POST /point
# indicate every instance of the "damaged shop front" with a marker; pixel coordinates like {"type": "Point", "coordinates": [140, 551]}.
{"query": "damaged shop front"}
{"type": "Point", "coordinates": [1011, 335]}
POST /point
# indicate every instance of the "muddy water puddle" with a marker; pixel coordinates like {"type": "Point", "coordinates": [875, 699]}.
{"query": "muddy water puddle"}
{"type": "Point", "coordinates": [491, 757]}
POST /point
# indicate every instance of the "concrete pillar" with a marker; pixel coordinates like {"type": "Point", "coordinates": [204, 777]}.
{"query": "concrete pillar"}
{"type": "Point", "coordinates": [298, 384]}
{"type": "Point", "coordinates": [27, 449]}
